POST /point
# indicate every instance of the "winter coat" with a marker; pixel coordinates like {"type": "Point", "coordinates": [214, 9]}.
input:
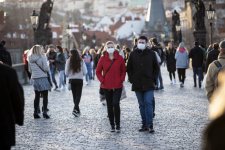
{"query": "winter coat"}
{"type": "Point", "coordinates": [115, 75]}
{"type": "Point", "coordinates": [181, 59]}
{"type": "Point", "coordinates": [197, 56]}
{"type": "Point", "coordinates": [52, 56]}
{"type": "Point", "coordinates": [5, 56]}
{"type": "Point", "coordinates": [11, 105]}
{"type": "Point", "coordinates": [41, 60]}
{"type": "Point", "coordinates": [170, 60]}
{"type": "Point", "coordinates": [142, 69]}
{"type": "Point", "coordinates": [75, 75]}
{"type": "Point", "coordinates": [212, 75]}
{"type": "Point", "coordinates": [60, 61]}
{"type": "Point", "coordinates": [211, 56]}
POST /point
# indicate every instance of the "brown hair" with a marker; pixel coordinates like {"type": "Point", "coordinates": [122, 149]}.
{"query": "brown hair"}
{"type": "Point", "coordinates": [75, 61]}
{"type": "Point", "coordinates": [60, 48]}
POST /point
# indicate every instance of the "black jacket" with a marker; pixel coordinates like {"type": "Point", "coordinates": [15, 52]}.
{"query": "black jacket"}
{"type": "Point", "coordinates": [11, 105]}
{"type": "Point", "coordinates": [52, 55]}
{"type": "Point", "coordinates": [5, 56]}
{"type": "Point", "coordinates": [170, 60]}
{"type": "Point", "coordinates": [211, 56]}
{"type": "Point", "coordinates": [197, 56]}
{"type": "Point", "coordinates": [213, 138]}
{"type": "Point", "coordinates": [142, 69]}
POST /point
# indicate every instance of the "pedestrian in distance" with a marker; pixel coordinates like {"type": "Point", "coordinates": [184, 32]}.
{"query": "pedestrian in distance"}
{"type": "Point", "coordinates": [5, 57]}
{"type": "Point", "coordinates": [197, 56]}
{"type": "Point", "coordinates": [170, 52]}
{"type": "Point", "coordinates": [52, 55]}
{"type": "Point", "coordinates": [213, 70]}
{"type": "Point", "coordinates": [11, 106]}
{"type": "Point", "coordinates": [93, 55]}
{"type": "Point", "coordinates": [111, 73]}
{"type": "Point", "coordinates": [75, 71]}
{"type": "Point", "coordinates": [60, 63]}
{"type": "Point", "coordinates": [88, 62]}
{"type": "Point", "coordinates": [143, 69]}
{"type": "Point", "coordinates": [39, 74]}
{"type": "Point", "coordinates": [182, 63]}
{"type": "Point", "coordinates": [26, 66]}
{"type": "Point", "coordinates": [212, 55]}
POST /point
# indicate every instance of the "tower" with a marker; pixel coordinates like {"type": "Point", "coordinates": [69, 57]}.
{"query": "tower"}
{"type": "Point", "coordinates": [155, 17]}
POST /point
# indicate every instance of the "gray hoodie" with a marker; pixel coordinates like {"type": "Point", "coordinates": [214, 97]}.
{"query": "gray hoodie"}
{"type": "Point", "coordinates": [41, 60]}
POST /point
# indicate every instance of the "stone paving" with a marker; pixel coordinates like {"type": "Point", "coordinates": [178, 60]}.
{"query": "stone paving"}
{"type": "Point", "coordinates": [181, 116]}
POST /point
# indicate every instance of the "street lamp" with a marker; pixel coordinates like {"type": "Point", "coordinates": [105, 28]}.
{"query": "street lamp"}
{"type": "Point", "coordinates": [68, 30]}
{"type": "Point", "coordinates": [34, 20]}
{"type": "Point", "coordinates": [211, 17]}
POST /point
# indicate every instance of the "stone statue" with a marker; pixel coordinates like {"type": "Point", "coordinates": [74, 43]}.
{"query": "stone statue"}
{"type": "Point", "coordinates": [175, 22]}
{"type": "Point", "coordinates": [199, 16]}
{"type": "Point", "coordinates": [45, 15]}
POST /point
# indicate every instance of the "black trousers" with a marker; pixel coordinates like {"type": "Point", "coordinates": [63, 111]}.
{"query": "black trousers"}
{"type": "Point", "coordinates": [172, 75]}
{"type": "Point", "coordinates": [113, 105]}
{"type": "Point", "coordinates": [181, 74]}
{"type": "Point", "coordinates": [76, 87]}
{"type": "Point", "coordinates": [37, 101]}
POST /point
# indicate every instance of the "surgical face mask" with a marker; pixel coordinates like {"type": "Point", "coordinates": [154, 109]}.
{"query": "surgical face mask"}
{"type": "Point", "coordinates": [141, 46]}
{"type": "Point", "coordinates": [110, 50]}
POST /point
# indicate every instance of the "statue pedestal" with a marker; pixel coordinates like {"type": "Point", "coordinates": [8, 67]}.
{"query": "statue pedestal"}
{"type": "Point", "coordinates": [43, 37]}
{"type": "Point", "coordinates": [200, 36]}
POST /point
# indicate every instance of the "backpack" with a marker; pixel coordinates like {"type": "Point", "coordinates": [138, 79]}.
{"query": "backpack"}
{"type": "Point", "coordinates": [219, 75]}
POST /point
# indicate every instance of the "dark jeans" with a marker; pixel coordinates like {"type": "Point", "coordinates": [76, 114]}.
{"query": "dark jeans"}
{"type": "Point", "coordinates": [113, 105]}
{"type": "Point", "coordinates": [181, 74]}
{"type": "Point", "coordinates": [198, 72]}
{"type": "Point", "coordinates": [53, 70]}
{"type": "Point", "coordinates": [160, 80]}
{"type": "Point", "coordinates": [172, 75]}
{"type": "Point", "coordinates": [76, 87]}
{"type": "Point", "coordinates": [37, 101]}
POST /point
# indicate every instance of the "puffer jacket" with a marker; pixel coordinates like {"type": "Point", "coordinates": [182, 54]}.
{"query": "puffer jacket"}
{"type": "Point", "coordinates": [36, 72]}
{"type": "Point", "coordinates": [212, 75]}
{"type": "Point", "coordinates": [182, 60]}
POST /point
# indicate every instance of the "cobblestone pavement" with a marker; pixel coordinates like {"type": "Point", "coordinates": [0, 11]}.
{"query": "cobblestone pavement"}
{"type": "Point", "coordinates": [181, 116]}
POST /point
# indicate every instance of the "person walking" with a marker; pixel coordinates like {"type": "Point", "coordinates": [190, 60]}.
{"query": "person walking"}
{"type": "Point", "coordinates": [111, 73]}
{"type": "Point", "coordinates": [88, 61]}
{"type": "Point", "coordinates": [211, 75]}
{"type": "Point", "coordinates": [212, 55]}
{"type": "Point", "coordinates": [143, 69]}
{"type": "Point", "coordinates": [51, 55]}
{"type": "Point", "coordinates": [60, 63]}
{"type": "Point", "coordinates": [75, 71]}
{"type": "Point", "coordinates": [5, 57]}
{"type": "Point", "coordinates": [182, 63]}
{"type": "Point", "coordinates": [171, 62]}
{"type": "Point", "coordinates": [39, 74]}
{"type": "Point", "coordinates": [197, 56]}
{"type": "Point", "coordinates": [155, 46]}
{"type": "Point", "coordinates": [93, 55]}
{"type": "Point", "coordinates": [11, 106]}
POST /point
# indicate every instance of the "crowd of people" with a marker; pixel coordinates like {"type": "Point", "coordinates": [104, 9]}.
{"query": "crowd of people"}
{"type": "Point", "coordinates": [110, 64]}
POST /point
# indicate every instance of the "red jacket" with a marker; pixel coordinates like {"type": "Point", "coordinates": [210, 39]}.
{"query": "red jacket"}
{"type": "Point", "coordinates": [115, 76]}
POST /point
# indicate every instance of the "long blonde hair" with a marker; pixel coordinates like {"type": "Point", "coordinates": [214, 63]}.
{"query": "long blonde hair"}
{"type": "Point", "coordinates": [37, 50]}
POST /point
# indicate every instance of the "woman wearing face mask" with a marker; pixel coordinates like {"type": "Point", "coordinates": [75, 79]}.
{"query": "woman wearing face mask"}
{"type": "Point", "coordinates": [111, 73]}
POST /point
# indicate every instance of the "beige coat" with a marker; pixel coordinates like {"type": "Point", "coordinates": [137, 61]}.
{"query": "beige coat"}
{"type": "Point", "coordinates": [211, 76]}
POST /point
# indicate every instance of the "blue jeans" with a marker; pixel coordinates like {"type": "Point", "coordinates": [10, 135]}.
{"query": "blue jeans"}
{"type": "Point", "coordinates": [89, 71]}
{"type": "Point", "coordinates": [53, 70]}
{"type": "Point", "coordinates": [145, 100]}
{"type": "Point", "coordinates": [61, 78]}
{"type": "Point", "coordinates": [198, 72]}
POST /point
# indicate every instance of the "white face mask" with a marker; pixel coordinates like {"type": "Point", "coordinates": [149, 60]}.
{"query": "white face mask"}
{"type": "Point", "coordinates": [110, 50]}
{"type": "Point", "coordinates": [141, 46]}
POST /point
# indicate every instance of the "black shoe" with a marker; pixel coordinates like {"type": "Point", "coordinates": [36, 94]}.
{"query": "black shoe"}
{"type": "Point", "coordinates": [113, 129]}
{"type": "Point", "coordinates": [76, 113]}
{"type": "Point", "coordinates": [36, 116]}
{"type": "Point", "coordinates": [195, 85]}
{"type": "Point", "coordinates": [117, 129]}
{"type": "Point", "coordinates": [143, 128]}
{"type": "Point", "coordinates": [56, 88]}
{"type": "Point", "coordinates": [46, 116]}
{"type": "Point", "coordinates": [151, 130]}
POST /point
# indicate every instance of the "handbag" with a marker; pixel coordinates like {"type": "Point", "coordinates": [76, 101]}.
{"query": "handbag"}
{"type": "Point", "coordinates": [48, 75]}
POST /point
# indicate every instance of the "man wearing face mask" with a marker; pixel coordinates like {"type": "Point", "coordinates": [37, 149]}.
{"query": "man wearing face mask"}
{"type": "Point", "coordinates": [142, 69]}
{"type": "Point", "coordinates": [111, 73]}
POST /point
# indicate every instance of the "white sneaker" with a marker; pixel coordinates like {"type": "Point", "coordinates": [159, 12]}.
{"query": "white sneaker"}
{"type": "Point", "coordinates": [171, 82]}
